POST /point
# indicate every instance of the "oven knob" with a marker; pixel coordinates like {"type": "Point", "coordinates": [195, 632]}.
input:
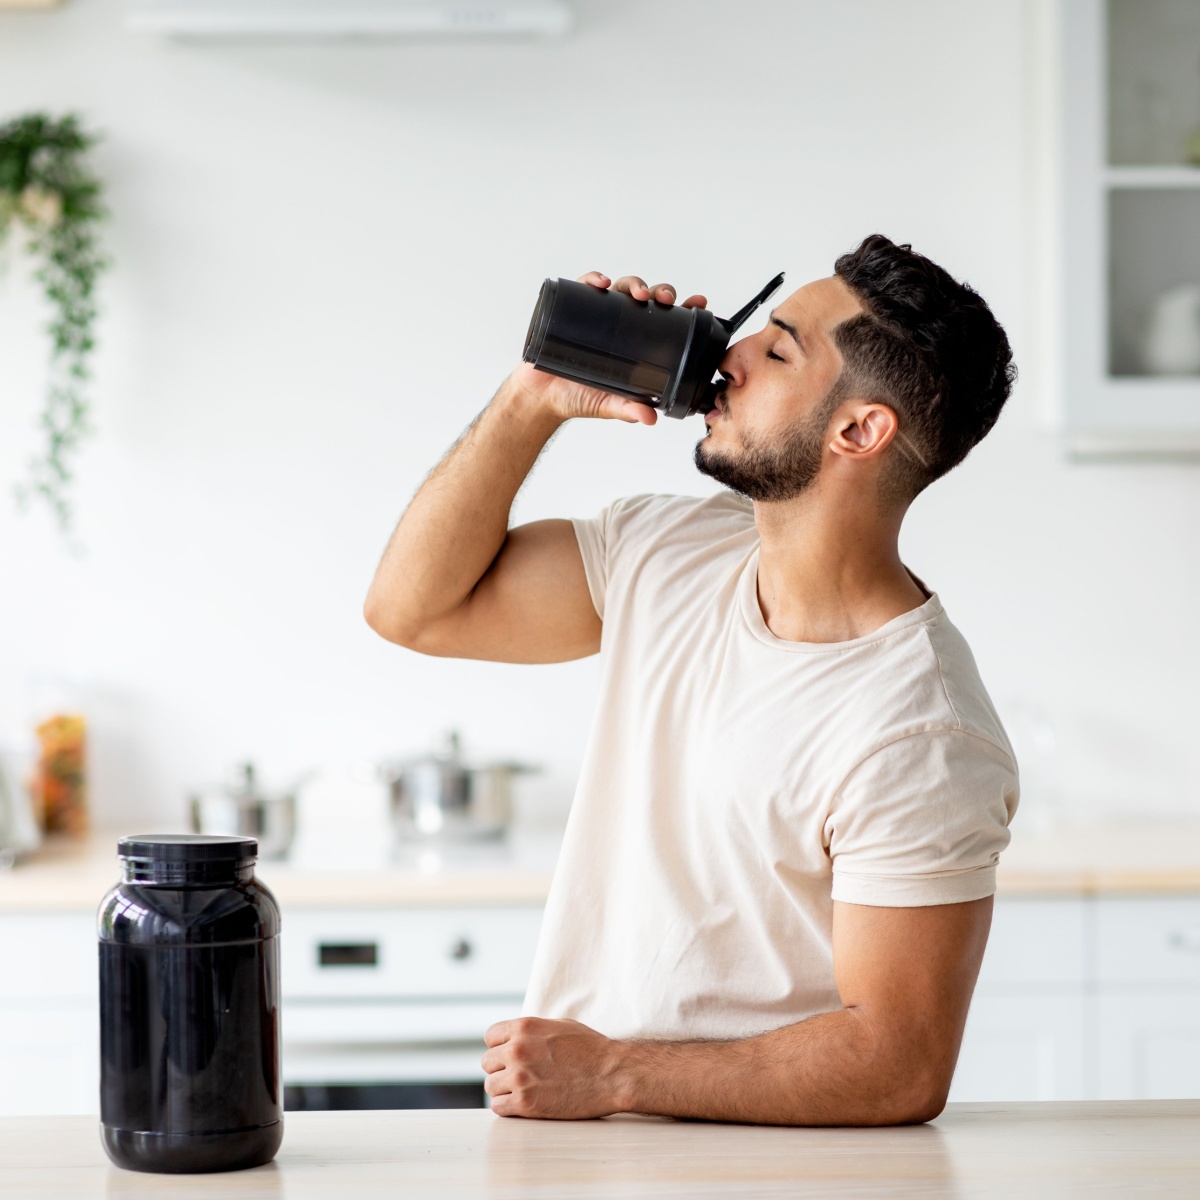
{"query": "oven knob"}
{"type": "Point", "coordinates": [461, 950]}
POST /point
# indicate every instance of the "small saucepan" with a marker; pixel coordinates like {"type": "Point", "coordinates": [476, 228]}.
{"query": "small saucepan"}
{"type": "Point", "coordinates": [439, 798]}
{"type": "Point", "coordinates": [242, 808]}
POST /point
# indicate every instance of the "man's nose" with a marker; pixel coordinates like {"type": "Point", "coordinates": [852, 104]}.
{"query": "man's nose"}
{"type": "Point", "coordinates": [732, 369]}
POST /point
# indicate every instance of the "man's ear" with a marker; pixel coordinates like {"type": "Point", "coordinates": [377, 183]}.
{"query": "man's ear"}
{"type": "Point", "coordinates": [864, 431]}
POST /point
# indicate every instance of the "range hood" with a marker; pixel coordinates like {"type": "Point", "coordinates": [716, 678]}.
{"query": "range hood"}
{"type": "Point", "coordinates": [312, 19]}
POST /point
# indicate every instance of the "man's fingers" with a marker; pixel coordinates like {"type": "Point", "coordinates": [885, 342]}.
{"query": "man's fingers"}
{"type": "Point", "coordinates": [639, 289]}
{"type": "Point", "coordinates": [498, 1034]}
{"type": "Point", "coordinates": [498, 1084]}
{"type": "Point", "coordinates": [493, 1060]}
{"type": "Point", "coordinates": [637, 413]}
{"type": "Point", "coordinates": [630, 411]}
{"type": "Point", "coordinates": [635, 285]}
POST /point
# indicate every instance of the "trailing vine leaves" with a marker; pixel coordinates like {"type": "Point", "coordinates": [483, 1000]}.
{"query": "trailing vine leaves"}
{"type": "Point", "coordinates": [46, 186]}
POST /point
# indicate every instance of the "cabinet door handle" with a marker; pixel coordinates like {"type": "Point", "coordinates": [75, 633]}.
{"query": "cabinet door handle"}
{"type": "Point", "coordinates": [461, 950]}
{"type": "Point", "coordinates": [1185, 939]}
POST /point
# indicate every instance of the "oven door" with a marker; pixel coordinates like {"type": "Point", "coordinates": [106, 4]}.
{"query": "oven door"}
{"type": "Point", "coordinates": [387, 1008]}
{"type": "Point", "coordinates": [387, 1055]}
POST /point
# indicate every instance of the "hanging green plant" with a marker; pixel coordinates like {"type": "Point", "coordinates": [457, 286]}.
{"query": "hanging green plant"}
{"type": "Point", "coordinates": [47, 187]}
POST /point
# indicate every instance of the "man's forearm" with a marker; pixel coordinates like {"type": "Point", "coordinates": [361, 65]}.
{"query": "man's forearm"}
{"type": "Point", "coordinates": [832, 1069]}
{"type": "Point", "coordinates": [839, 1068]}
{"type": "Point", "coordinates": [457, 522]}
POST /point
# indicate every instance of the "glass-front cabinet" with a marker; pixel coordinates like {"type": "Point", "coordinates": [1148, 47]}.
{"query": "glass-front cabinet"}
{"type": "Point", "coordinates": [1129, 152]}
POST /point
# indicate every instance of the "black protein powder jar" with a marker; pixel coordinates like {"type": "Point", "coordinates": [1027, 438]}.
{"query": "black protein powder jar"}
{"type": "Point", "coordinates": [189, 1007]}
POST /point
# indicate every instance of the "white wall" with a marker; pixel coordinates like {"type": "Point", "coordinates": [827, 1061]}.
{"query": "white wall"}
{"type": "Point", "coordinates": [326, 258]}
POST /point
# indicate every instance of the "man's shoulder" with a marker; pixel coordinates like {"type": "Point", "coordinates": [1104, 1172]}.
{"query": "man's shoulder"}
{"type": "Point", "coordinates": [657, 519]}
{"type": "Point", "coordinates": [954, 675]}
{"type": "Point", "coordinates": [641, 547]}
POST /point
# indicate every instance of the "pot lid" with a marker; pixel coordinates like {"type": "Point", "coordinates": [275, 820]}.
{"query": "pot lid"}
{"type": "Point", "coordinates": [449, 757]}
{"type": "Point", "coordinates": [240, 784]}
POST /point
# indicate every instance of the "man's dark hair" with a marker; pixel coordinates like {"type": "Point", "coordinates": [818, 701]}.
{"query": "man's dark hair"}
{"type": "Point", "coordinates": [929, 348]}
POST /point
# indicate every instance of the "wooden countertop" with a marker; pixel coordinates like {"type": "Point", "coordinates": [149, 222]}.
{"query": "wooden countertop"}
{"type": "Point", "coordinates": [1104, 858]}
{"type": "Point", "coordinates": [1127, 858]}
{"type": "Point", "coordinates": [1048, 1151]}
{"type": "Point", "coordinates": [65, 876]}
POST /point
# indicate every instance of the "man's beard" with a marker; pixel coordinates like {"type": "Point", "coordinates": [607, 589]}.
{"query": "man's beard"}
{"type": "Point", "coordinates": [782, 470]}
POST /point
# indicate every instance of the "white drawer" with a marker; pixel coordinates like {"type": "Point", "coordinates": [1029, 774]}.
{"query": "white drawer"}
{"type": "Point", "coordinates": [1148, 940]}
{"type": "Point", "coordinates": [431, 952]}
{"type": "Point", "coordinates": [1035, 942]}
{"type": "Point", "coordinates": [49, 956]}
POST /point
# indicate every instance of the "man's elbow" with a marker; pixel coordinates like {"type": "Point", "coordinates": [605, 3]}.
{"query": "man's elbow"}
{"type": "Point", "coordinates": [924, 1106]}
{"type": "Point", "coordinates": [382, 618]}
{"type": "Point", "coordinates": [920, 1097]}
{"type": "Point", "coordinates": [425, 637]}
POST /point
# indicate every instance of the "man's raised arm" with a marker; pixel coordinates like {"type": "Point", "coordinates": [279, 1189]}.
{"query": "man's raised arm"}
{"type": "Point", "coordinates": [454, 580]}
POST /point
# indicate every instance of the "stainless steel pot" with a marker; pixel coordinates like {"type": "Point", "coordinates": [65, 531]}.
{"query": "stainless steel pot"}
{"type": "Point", "coordinates": [440, 798]}
{"type": "Point", "coordinates": [242, 808]}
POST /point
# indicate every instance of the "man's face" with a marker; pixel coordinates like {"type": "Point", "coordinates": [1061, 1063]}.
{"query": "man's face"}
{"type": "Point", "coordinates": [766, 437]}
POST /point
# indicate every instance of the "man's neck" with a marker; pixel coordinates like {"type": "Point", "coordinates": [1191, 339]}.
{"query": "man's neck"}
{"type": "Point", "coordinates": [828, 571]}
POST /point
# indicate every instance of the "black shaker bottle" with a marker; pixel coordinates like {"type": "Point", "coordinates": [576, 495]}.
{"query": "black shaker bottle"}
{"type": "Point", "coordinates": [663, 355]}
{"type": "Point", "coordinates": [189, 1007]}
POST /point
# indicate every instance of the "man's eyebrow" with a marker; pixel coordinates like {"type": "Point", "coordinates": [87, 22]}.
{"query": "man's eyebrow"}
{"type": "Point", "coordinates": [787, 329]}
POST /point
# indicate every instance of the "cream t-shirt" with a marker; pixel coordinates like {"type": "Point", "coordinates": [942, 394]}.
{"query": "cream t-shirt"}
{"type": "Point", "coordinates": [736, 784]}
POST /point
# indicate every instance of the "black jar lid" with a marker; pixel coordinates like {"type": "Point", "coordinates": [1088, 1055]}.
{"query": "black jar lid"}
{"type": "Point", "coordinates": [187, 848]}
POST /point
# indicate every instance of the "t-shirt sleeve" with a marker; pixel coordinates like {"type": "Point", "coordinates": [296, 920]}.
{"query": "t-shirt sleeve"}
{"type": "Point", "coordinates": [631, 530]}
{"type": "Point", "coordinates": [922, 821]}
{"type": "Point", "coordinates": [620, 530]}
{"type": "Point", "coordinates": [591, 534]}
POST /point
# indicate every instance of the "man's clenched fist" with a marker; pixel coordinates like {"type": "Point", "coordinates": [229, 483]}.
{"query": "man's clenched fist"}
{"type": "Point", "coordinates": [557, 1069]}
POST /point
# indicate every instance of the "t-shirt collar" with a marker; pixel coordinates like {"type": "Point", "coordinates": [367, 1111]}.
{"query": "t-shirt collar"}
{"type": "Point", "coordinates": [753, 618]}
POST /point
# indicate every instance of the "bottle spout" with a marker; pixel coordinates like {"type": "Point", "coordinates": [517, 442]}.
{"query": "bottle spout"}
{"type": "Point", "coordinates": [708, 398]}
{"type": "Point", "coordinates": [739, 318]}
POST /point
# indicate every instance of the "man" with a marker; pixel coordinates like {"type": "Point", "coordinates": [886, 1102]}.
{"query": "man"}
{"type": "Point", "coordinates": [776, 882]}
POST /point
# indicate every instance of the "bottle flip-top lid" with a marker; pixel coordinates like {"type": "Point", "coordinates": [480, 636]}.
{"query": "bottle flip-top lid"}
{"type": "Point", "coordinates": [739, 318]}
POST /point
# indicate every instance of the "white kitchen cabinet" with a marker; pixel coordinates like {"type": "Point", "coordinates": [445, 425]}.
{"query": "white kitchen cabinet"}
{"type": "Point", "coordinates": [49, 1058]}
{"type": "Point", "coordinates": [1035, 944]}
{"type": "Point", "coordinates": [1128, 203]}
{"type": "Point", "coordinates": [1148, 940]}
{"type": "Point", "coordinates": [1148, 997]}
{"type": "Point", "coordinates": [48, 956]}
{"type": "Point", "coordinates": [1149, 1045]}
{"type": "Point", "coordinates": [49, 1022]}
{"type": "Point", "coordinates": [1026, 1032]}
{"type": "Point", "coordinates": [1024, 1048]}
{"type": "Point", "coordinates": [1081, 999]}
